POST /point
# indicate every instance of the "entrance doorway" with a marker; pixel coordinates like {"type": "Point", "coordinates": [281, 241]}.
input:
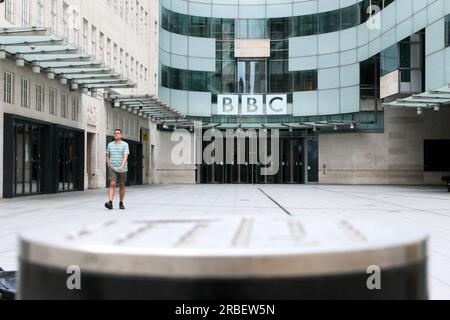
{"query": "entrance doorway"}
{"type": "Point", "coordinates": [69, 159]}
{"type": "Point", "coordinates": [28, 169]}
{"type": "Point", "coordinates": [41, 158]}
{"type": "Point", "coordinates": [298, 164]}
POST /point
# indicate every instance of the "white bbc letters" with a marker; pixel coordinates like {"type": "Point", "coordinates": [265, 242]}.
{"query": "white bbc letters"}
{"type": "Point", "coordinates": [252, 105]}
{"type": "Point", "coordinates": [228, 105]}
{"type": "Point", "coordinates": [276, 104]}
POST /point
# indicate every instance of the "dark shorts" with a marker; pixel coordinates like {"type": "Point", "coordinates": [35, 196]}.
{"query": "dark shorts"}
{"type": "Point", "coordinates": [117, 177]}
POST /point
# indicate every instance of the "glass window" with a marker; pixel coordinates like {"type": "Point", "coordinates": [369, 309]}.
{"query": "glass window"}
{"type": "Point", "coordinates": [75, 30]}
{"type": "Point", "coordinates": [252, 76]}
{"type": "Point", "coordinates": [279, 49]}
{"type": "Point", "coordinates": [306, 25]}
{"type": "Point", "coordinates": [405, 54]}
{"type": "Point", "coordinates": [8, 87]}
{"type": "Point", "coordinates": [305, 80]}
{"type": "Point", "coordinates": [165, 14]}
{"type": "Point", "coordinates": [178, 23]}
{"type": "Point", "coordinates": [9, 10]}
{"type": "Point", "coordinates": [228, 77]}
{"type": "Point", "coordinates": [198, 81]}
{"type": "Point", "coordinates": [165, 75]}
{"type": "Point", "coordinates": [447, 31]}
{"type": "Point", "coordinates": [94, 40]}
{"type": "Point", "coordinates": [108, 52]}
{"type": "Point", "coordinates": [257, 29]}
{"type": "Point", "coordinates": [40, 13]}
{"type": "Point", "coordinates": [242, 32]}
{"type": "Point", "coordinates": [54, 16]}
{"type": "Point", "coordinates": [251, 29]}
{"type": "Point", "coordinates": [389, 60]}
{"type": "Point", "coordinates": [24, 93]}
{"type": "Point", "coordinates": [199, 27]}
{"type": "Point", "coordinates": [39, 98]}
{"type": "Point", "coordinates": [64, 106]}
{"type": "Point", "coordinates": [75, 108]}
{"type": "Point", "coordinates": [102, 47]}
{"type": "Point", "coordinates": [222, 28]}
{"type": "Point", "coordinates": [279, 28]}
{"type": "Point", "coordinates": [178, 79]}
{"type": "Point", "coordinates": [349, 17]}
{"type": "Point", "coordinates": [280, 77]}
{"type": "Point", "coordinates": [52, 102]}
{"type": "Point", "coordinates": [65, 20]}
{"type": "Point", "coordinates": [329, 21]}
{"type": "Point", "coordinates": [25, 13]}
{"type": "Point", "coordinates": [85, 35]}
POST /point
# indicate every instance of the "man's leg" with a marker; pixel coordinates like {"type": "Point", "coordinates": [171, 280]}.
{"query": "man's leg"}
{"type": "Point", "coordinates": [112, 190]}
{"type": "Point", "coordinates": [122, 192]}
{"type": "Point", "coordinates": [122, 181]}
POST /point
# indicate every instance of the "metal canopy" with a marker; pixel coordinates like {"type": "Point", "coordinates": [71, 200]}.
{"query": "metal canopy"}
{"type": "Point", "coordinates": [251, 126]}
{"type": "Point", "coordinates": [145, 105]}
{"type": "Point", "coordinates": [49, 53]}
{"type": "Point", "coordinates": [433, 99]}
{"type": "Point", "coordinates": [274, 126]}
{"type": "Point", "coordinates": [296, 125]}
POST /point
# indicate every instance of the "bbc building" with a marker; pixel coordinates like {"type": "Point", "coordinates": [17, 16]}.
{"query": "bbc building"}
{"type": "Point", "coordinates": [359, 90]}
{"type": "Point", "coordinates": [71, 72]}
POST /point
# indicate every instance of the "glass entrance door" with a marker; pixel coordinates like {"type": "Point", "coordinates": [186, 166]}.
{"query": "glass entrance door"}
{"type": "Point", "coordinates": [28, 158]}
{"type": "Point", "coordinates": [68, 160]}
{"type": "Point", "coordinates": [292, 158]}
{"type": "Point", "coordinates": [291, 161]}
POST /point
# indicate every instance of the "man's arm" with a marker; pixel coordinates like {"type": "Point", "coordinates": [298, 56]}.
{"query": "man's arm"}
{"type": "Point", "coordinates": [125, 159]}
{"type": "Point", "coordinates": [108, 158]}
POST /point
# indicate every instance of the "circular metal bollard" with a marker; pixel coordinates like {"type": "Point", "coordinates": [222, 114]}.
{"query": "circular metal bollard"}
{"type": "Point", "coordinates": [228, 257]}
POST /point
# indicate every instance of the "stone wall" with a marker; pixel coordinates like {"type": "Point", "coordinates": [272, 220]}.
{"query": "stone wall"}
{"type": "Point", "coordinates": [393, 157]}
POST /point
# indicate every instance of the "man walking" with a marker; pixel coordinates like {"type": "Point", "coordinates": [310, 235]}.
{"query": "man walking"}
{"type": "Point", "coordinates": [117, 160]}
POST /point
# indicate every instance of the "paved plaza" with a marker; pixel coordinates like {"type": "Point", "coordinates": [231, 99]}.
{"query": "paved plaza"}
{"type": "Point", "coordinates": [425, 207]}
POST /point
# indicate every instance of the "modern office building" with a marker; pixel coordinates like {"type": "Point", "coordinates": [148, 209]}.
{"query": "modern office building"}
{"type": "Point", "coordinates": [71, 72]}
{"type": "Point", "coordinates": [331, 75]}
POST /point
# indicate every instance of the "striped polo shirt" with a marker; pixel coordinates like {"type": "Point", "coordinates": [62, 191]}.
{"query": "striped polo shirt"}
{"type": "Point", "coordinates": [116, 153]}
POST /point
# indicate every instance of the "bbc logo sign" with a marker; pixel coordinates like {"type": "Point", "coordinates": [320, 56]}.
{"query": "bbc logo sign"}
{"type": "Point", "coordinates": [252, 105]}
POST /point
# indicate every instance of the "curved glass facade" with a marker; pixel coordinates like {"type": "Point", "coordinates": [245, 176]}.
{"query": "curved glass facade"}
{"type": "Point", "coordinates": [273, 74]}
{"type": "Point", "coordinates": [326, 64]}
{"type": "Point", "coordinates": [298, 26]}
{"type": "Point", "coordinates": [249, 78]}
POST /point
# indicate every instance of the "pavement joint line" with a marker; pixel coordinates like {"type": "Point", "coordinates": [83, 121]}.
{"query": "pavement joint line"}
{"type": "Point", "coordinates": [279, 205]}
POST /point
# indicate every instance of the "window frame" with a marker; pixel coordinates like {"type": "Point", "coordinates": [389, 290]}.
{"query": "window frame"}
{"type": "Point", "coordinates": [40, 97]}
{"type": "Point", "coordinates": [52, 102]}
{"type": "Point", "coordinates": [8, 87]}
{"type": "Point", "coordinates": [25, 93]}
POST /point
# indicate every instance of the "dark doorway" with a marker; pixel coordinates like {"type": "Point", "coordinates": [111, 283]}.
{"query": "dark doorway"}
{"type": "Point", "coordinates": [436, 155]}
{"type": "Point", "coordinates": [29, 155]}
{"type": "Point", "coordinates": [41, 158]}
{"type": "Point", "coordinates": [293, 155]}
{"type": "Point", "coordinates": [313, 160]}
{"type": "Point", "coordinates": [69, 159]}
